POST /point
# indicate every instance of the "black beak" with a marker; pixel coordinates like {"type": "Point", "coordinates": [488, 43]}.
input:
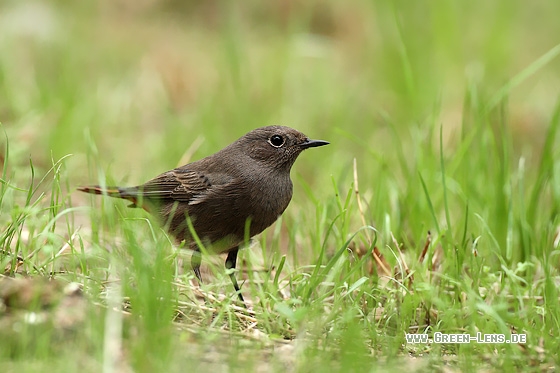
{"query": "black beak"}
{"type": "Point", "coordinates": [313, 143]}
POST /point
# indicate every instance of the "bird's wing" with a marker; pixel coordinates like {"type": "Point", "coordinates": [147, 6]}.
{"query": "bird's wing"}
{"type": "Point", "coordinates": [182, 185]}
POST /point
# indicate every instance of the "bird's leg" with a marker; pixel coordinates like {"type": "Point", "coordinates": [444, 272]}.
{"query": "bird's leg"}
{"type": "Point", "coordinates": [196, 259]}
{"type": "Point", "coordinates": [231, 261]}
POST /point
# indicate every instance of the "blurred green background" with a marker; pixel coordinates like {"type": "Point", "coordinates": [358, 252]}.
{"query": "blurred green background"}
{"type": "Point", "coordinates": [145, 79]}
{"type": "Point", "coordinates": [135, 88]}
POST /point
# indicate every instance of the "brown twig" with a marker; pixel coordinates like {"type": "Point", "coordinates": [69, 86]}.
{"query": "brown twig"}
{"type": "Point", "coordinates": [377, 259]}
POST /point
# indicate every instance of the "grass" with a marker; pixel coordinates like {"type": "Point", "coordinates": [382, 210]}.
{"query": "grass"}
{"type": "Point", "coordinates": [434, 209]}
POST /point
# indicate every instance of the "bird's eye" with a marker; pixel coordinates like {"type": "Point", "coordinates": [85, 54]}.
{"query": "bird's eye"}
{"type": "Point", "coordinates": [276, 141]}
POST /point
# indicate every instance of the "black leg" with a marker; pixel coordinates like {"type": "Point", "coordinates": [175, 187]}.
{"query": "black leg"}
{"type": "Point", "coordinates": [196, 259]}
{"type": "Point", "coordinates": [231, 261]}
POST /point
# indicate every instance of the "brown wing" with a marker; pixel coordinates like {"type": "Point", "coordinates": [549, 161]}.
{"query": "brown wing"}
{"type": "Point", "coordinates": [181, 185]}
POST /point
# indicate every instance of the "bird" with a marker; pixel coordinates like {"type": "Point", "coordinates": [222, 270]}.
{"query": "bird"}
{"type": "Point", "coordinates": [244, 187]}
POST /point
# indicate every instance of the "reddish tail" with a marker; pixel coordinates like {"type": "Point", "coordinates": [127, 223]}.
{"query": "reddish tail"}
{"type": "Point", "coordinates": [130, 194]}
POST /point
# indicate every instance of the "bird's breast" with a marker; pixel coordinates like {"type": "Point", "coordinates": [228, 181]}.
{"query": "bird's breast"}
{"type": "Point", "coordinates": [268, 200]}
{"type": "Point", "coordinates": [223, 215]}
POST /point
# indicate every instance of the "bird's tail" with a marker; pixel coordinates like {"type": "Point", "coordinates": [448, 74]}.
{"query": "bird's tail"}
{"type": "Point", "coordinates": [130, 194]}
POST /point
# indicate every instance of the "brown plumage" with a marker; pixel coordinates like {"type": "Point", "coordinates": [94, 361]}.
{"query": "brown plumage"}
{"type": "Point", "coordinates": [249, 180]}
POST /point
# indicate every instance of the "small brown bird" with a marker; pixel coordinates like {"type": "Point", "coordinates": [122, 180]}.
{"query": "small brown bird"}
{"type": "Point", "coordinates": [247, 182]}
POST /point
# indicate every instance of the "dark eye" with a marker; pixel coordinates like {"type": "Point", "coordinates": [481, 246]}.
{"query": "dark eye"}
{"type": "Point", "coordinates": [276, 141]}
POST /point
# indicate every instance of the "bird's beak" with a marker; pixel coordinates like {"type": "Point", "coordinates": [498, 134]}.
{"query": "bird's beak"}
{"type": "Point", "coordinates": [312, 143]}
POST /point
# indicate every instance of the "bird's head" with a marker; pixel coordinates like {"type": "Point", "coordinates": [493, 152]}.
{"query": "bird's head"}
{"type": "Point", "coordinates": [276, 146]}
